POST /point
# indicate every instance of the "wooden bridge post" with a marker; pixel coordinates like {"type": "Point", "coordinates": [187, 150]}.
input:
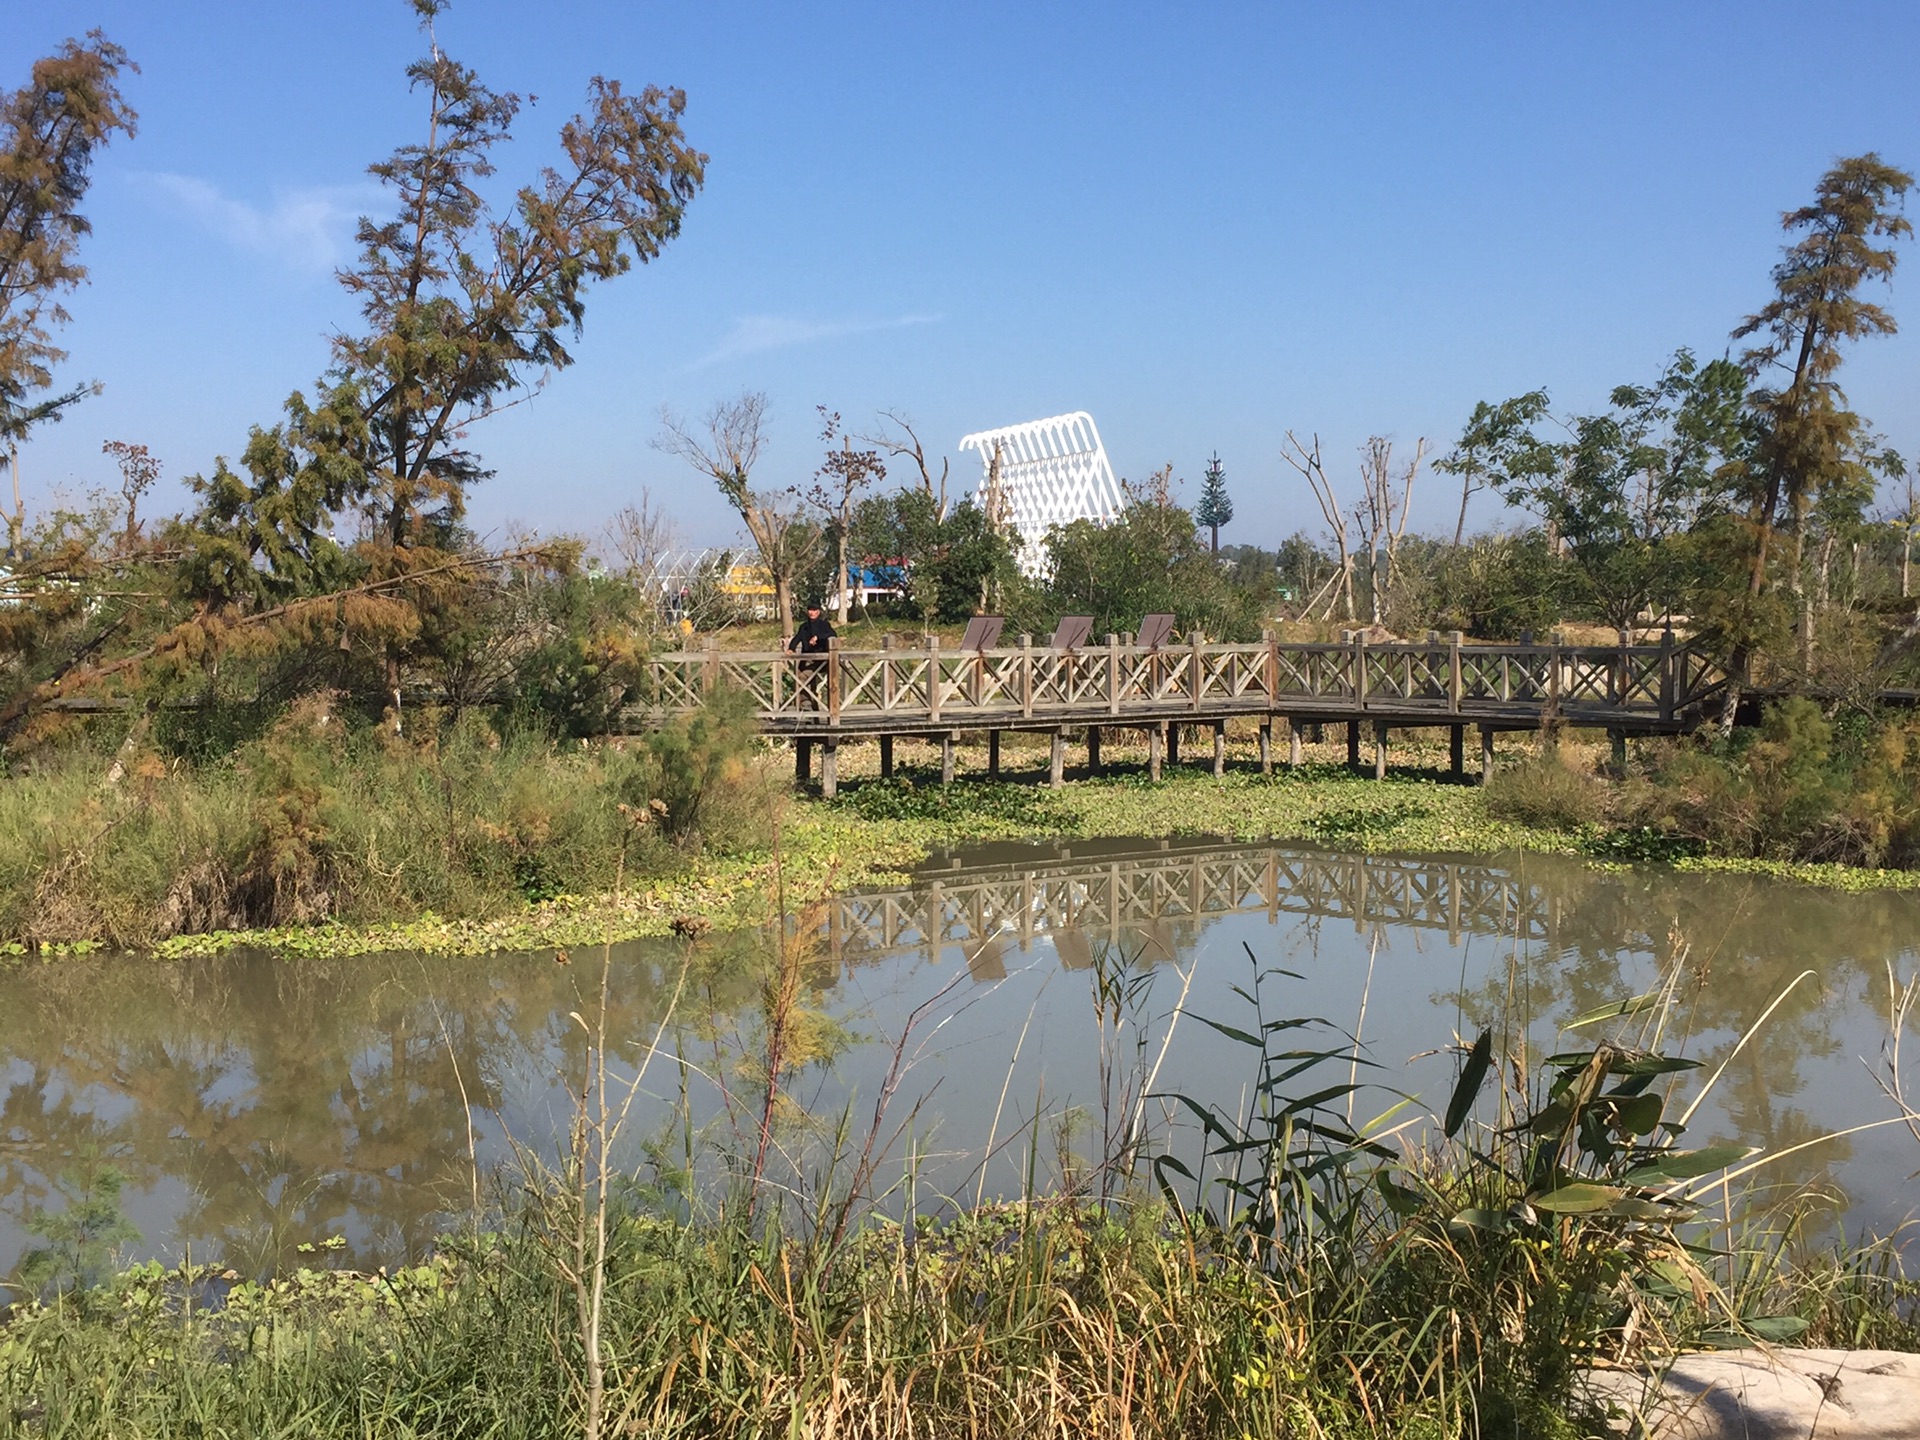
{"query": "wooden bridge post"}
{"type": "Point", "coordinates": [1057, 764]}
{"type": "Point", "coordinates": [1156, 738]}
{"type": "Point", "coordinates": [1197, 669]}
{"type": "Point", "coordinates": [1220, 748]}
{"type": "Point", "coordinates": [1173, 742]}
{"type": "Point", "coordinates": [886, 757]}
{"type": "Point", "coordinates": [886, 687]}
{"type": "Point", "coordinates": [710, 672]}
{"type": "Point", "coordinates": [1666, 675]}
{"type": "Point", "coordinates": [1456, 683]}
{"type": "Point", "coordinates": [933, 677]}
{"type": "Point", "coordinates": [1457, 750]}
{"type": "Point", "coordinates": [1380, 749]}
{"type": "Point", "coordinates": [1486, 752]}
{"type": "Point", "coordinates": [993, 754]}
{"type": "Point", "coordinates": [1617, 740]}
{"type": "Point", "coordinates": [1113, 674]}
{"type": "Point", "coordinates": [1093, 749]}
{"type": "Point", "coordinates": [946, 756]}
{"type": "Point", "coordinates": [1266, 744]}
{"type": "Point", "coordinates": [833, 688]}
{"type": "Point", "coordinates": [1617, 681]}
{"type": "Point", "coordinates": [1294, 755]}
{"type": "Point", "coordinates": [829, 769]}
{"type": "Point", "coordinates": [1026, 678]}
{"type": "Point", "coordinates": [1353, 744]}
{"type": "Point", "coordinates": [802, 761]}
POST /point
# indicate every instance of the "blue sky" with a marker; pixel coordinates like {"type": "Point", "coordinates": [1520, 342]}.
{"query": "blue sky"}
{"type": "Point", "coordinates": [1204, 224]}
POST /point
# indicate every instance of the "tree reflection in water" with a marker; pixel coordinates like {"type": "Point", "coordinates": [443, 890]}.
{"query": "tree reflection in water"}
{"type": "Point", "coordinates": [256, 1103]}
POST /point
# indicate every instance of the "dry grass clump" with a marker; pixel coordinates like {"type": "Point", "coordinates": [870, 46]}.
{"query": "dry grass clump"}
{"type": "Point", "coordinates": [1546, 792]}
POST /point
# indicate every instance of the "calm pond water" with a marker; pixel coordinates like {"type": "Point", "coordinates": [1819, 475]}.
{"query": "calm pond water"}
{"type": "Point", "coordinates": [256, 1105]}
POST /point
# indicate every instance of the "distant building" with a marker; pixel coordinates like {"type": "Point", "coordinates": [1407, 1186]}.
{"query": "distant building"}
{"type": "Point", "coordinates": [1044, 473]}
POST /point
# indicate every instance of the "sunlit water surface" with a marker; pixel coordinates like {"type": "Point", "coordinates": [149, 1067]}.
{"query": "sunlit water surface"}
{"type": "Point", "coordinates": [259, 1105]}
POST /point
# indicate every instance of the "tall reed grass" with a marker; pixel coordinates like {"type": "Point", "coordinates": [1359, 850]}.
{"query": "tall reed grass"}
{"type": "Point", "coordinates": [321, 820]}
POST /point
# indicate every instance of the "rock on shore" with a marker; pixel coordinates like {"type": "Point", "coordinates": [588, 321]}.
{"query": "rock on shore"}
{"type": "Point", "coordinates": [1770, 1393]}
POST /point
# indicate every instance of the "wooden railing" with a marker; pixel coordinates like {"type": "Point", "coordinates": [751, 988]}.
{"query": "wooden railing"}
{"type": "Point", "coordinates": [1118, 683]}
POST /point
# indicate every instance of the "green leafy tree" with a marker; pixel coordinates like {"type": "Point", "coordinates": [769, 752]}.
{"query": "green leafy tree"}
{"type": "Point", "coordinates": [1151, 559]}
{"type": "Point", "coordinates": [1625, 493]}
{"type": "Point", "coordinates": [1498, 442]}
{"type": "Point", "coordinates": [50, 130]}
{"type": "Point", "coordinates": [945, 562]}
{"type": "Point", "coordinates": [1216, 506]}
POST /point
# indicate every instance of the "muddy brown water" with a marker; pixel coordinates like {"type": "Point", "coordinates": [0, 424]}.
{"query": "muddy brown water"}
{"type": "Point", "coordinates": [257, 1105]}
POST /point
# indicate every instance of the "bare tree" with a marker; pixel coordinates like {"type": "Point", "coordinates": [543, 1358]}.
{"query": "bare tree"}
{"type": "Point", "coordinates": [1306, 459]}
{"type": "Point", "coordinates": [641, 539]}
{"type": "Point", "coordinates": [897, 437]}
{"type": "Point", "coordinates": [1382, 515]}
{"type": "Point", "coordinates": [836, 486]}
{"type": "Point", "coordinates": [735, 432]}
{"type": "Point", "coordinates": [1906, 524]}
{"type": "Point", "coordinates": [139, 471]}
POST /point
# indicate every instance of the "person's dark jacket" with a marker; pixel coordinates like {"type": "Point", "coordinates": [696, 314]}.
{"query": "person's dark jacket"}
{"type": "Point", "coordinates": [812, 637]}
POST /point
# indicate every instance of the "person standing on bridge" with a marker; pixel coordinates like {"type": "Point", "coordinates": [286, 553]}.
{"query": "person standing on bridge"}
{"type": "Point", "coordinates": [811, 639]}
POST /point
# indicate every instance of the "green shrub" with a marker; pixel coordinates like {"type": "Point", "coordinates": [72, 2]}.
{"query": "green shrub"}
{"type": "Point", "coordinates": [1799, 788]}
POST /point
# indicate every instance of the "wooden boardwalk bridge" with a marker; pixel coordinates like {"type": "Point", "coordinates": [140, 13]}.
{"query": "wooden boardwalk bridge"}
{"type": "Point", "coordinates": [1148, 906]}
{"type": "Point", "coordinates": [938, 693]}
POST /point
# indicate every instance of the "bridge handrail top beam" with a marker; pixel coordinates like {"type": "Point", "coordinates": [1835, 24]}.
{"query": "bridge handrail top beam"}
{"type": "Point", "coordinates": [1177, 647]}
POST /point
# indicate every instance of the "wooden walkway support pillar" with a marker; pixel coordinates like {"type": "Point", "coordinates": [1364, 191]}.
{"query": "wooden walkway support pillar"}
{"type": "Point", "coordinates": [1294, 755]}
{"type": "Point", "coordinates": [1618, 739]}
{"type": "Point", "coordinates": [1486, 752]}
{"type": "Point", "coordinates": [1173, 744]}
{"type": "Point", "coordinates": [886, 757]}
{"type": "Point", "coordinates": [1457, 751]}
{"type": "Point", "coordinates": [802, 761]}
{"type": "Point", "coordinates": [1057, 762]}
{"type": "Point", "coordinates": [1156, 741]}
{"type": "Point", "coordinates": [1379, 749]}
{"type": "Point", "coordinates": [1219, 748]}
{"type": "Point", "coordinates": [829, 770]}
{"type": "Point", "coordinates": [1266, 744]}
{"type": "Point", "coordinates": [1093, 749]}
{"type": "Point", "coordinates": [993, 754]}
{"type": "Point", "coordinates": [946, 757]}
{"type": "Point", "coordinates": [1353, 744]}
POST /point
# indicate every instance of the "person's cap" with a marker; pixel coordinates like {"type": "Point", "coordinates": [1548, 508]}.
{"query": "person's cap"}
{"type": "Point", "coordinates": [813, 604]}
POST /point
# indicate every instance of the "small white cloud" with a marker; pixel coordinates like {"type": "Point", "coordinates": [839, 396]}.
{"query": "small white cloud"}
{"type": "Point", "coordinates": [308, 228]}
{"type": "Point", "coordinates": [754, 334]}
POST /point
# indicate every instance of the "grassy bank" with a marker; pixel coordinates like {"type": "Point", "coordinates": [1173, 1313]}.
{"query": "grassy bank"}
{"type": "Point", "coordinates": [312, 840]}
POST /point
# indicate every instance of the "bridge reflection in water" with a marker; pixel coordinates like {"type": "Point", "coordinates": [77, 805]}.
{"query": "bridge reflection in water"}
{"type": "Point", "coordinates": [1148, 906]}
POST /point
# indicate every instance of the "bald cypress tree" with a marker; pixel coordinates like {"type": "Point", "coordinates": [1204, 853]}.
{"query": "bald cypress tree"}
{"type": "Point", "coordinates": [1809, 438]}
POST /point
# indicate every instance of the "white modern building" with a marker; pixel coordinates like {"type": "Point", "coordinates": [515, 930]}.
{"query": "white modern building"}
{"type": "Point", "coordinates": [1048, 472]}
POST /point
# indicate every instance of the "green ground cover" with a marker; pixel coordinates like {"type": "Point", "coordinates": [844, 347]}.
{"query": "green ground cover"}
{"type": "Point", "coordinates": [876, 831]}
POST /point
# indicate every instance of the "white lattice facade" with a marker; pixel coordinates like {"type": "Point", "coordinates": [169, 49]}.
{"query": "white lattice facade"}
{"type": "Point", "coordinates": [1051, 472]}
